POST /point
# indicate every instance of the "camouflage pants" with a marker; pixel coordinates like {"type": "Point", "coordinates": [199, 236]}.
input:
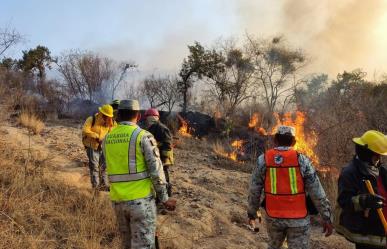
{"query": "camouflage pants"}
{"type": "Point", "coordinates": [297, 237]}
{"type": "Point", "coordinates": [97, 168]}
{"type": "Point", "coordinates": [137, 223]}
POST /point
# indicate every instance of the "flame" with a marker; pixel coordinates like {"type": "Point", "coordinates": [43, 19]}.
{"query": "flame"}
{"type": "Point", "coordinates": [237, 144]}
{"type": "Point", "coordinates": [184, 129]}
{"type": "Point", "coordinates": [237, 148]}
{"type": "Point", "coordinates": [261, 131]}
{"type": "Point", "coordinates": [233, 156]}
{"type": "Point", "coordinates": [306, 143]}
{"type": "Point", "coordinates": [254, 120]}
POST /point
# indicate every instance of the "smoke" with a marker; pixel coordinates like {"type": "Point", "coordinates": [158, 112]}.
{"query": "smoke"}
{"type": "Point", "coordinates": [337, 35]}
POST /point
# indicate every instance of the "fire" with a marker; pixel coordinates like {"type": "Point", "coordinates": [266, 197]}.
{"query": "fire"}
{"type": "Point", "coordinates": [233, 156]}
{"type": "Point", "coordinates": [254, 120]}
{"type": "Point", "coordinates": [237, 144]}
{"type": "Point", "coordinates": [305, 142]}
{"type": "Point", "coordinates": [237, 147]}
{"type": "Point", "coordinates": [184, 129]}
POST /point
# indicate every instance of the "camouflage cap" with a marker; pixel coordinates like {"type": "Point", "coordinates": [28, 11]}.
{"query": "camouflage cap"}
{"type": "Point", "coordinates": [129, 104]}
{"type": "Point", "coordinates": [283, 130]}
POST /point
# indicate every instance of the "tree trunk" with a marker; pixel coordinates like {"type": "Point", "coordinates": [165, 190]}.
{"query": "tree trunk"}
{"type": "Point", "coordinates": [185, 100]}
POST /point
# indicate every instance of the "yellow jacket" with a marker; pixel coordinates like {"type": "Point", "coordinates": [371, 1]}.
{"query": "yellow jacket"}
{"type": "Point", "coordinates": [92, 135]}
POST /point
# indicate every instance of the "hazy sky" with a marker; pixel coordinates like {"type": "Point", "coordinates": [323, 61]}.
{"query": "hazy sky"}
{"type": "Point", "coordinates": [336, 34]}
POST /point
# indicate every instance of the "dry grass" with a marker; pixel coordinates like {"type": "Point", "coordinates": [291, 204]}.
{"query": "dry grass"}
{"type": "Point", "coordinates": [220, 148]}
{"type": "Point", "coordinates": [41, 212]}
{"type": "Point", "coordinates": [32, 122]}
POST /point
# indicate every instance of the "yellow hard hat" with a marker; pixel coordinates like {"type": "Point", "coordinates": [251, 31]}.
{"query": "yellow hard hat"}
{"type": "Point", "coordinates": [374, 141]}
{"type": "Point", "coordinates": [106, 110]}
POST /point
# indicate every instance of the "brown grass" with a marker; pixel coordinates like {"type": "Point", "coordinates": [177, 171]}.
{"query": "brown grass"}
{"type": "Point", "coordinates": [32, 122]}
{"type": "Point", "coordinates": [42, 212]}
{"type": "Point", "coordinates": [220, 148]}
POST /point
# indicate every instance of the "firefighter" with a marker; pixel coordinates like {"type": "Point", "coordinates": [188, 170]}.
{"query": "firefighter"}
{"type": "Point", "coordinates": [163, 137]}
{"type": "Point", "coordinates": [286, 176]}
{"type": "Point", "coordinates": [94, 130]}
{"type": "Point", "coordinates": [356, 217]}
{"type": "Point", "coordinates": [136, 176]}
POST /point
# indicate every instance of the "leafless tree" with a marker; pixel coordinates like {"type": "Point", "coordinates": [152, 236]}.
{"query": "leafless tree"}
{"type": "Point", "coordinates": [8, 38]}
{"type": "Point", "coordinates": [85, 73]}
{"type": "Point", "coordinates": [151, 88]}
{"type": "Point", "coordinates": [123, 69]}
{"type": "Point", "coordinates": [275, 65]}
{"type": "Point", "coordinates": [231, 80]}
{"type": "Point", "coordinates": [170, 93]}
{"type": "Point", "coordinates": [162, 91]}
{"type": "Point", "coordinates": [132, 91]}
{"type": "Point", "coordinates": [228, 71]}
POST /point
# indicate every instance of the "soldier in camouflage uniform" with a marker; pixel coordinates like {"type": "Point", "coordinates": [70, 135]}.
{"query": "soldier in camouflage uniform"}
{"type": "Point", "coordinates": [163, 136]}
{"type": "Point", "coordinates": [136, 176]}
{"type": "Point", "coordinates": [287, 212]}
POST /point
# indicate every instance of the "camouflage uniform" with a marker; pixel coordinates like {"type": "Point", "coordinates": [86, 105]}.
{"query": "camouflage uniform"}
{"type": "Point", "coordinates": [137, 222]}
{"type": "Point", "coordinates": [297, 231]}
{"type": "Point", "coordinates": [137, 219]}
{"type": "Point", "coordinates": [163, 136]}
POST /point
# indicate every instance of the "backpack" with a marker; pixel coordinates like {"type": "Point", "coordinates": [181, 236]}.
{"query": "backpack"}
{"type": "Point", "coordinates": [92, 124]}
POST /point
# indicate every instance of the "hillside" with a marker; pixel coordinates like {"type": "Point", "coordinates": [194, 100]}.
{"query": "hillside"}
{"type": "Point", "coordinates": [211, 196]}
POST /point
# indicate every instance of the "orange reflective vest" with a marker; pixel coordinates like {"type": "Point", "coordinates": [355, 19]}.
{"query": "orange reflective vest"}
{"type": "Point", "coordinates": [284, 186]}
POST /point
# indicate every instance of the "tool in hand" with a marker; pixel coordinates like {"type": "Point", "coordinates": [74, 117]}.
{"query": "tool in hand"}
{"type": "Point", "coordinates": [379, 210]}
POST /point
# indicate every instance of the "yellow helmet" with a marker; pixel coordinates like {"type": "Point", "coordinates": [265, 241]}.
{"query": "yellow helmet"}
{"type": "Point", "coordinates": [374, 141]}
{"type": "Point", "coordinates": [106, 110]}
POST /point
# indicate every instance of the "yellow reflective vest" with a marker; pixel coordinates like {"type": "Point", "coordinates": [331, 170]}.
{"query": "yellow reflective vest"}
{"type": "Point", "coordinates": [126, 167]}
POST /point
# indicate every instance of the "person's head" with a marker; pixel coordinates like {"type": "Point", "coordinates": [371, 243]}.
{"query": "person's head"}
{"type": "Point", "coordinates": [106, 111]}
{"type": "Point", "coordinates": [151, 116]}
{"type": "Point", "coordinates": [115, 104]}
{"type": "Point", "coordinates": [129, 110]}
{"type": "Point", "coordinates": [371, 146]}
{"type": "Point", "coordinates": [152, 112]}
{"type": "Point", "coordinates": [285, 136]}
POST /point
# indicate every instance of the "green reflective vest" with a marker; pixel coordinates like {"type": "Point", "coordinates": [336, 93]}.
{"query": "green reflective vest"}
{"type": "Point", "coordinates": [125, 162]}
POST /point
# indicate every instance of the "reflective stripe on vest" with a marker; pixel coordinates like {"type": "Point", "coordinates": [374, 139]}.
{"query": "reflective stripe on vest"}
{"type": "Point", "coordinates": [284, 187]}
{"type": "Point", "coordinates": [128, 177]}
{"type": "Point", "coordinates": [132, 151]}
{"type": "Point", "coordinates": [292, 180]}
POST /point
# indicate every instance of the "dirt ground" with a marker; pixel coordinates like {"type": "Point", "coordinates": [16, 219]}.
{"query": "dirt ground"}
{"type": "Point", "coordinates": [211, 192]}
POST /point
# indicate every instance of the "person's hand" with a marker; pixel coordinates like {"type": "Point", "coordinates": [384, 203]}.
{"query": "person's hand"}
{"type": "Point", "coordinates": [253, 225]}
{"type": "Point", "coordinates": [170, 204]}
{"type": "Point", "coordinates": [371, 201]}
{"type": "Point", "coordinates": [327, 228]}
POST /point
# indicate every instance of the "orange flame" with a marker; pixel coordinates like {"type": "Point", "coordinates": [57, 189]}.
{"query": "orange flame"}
{"type": "Point", "coordinates": [306, 143]}
{"type": "Point", "coordinates": [184, 129]}
{"type": "Point", "coordinates": [237, 147]}
{"type": "Point", "coordinates": [233, 156]}
{"type": "Point", "coordinates": [254, 120]}
{"type": "Point", "coordinates": [261, 131]}
{"type": "Point", "coordinates": [237, 144]}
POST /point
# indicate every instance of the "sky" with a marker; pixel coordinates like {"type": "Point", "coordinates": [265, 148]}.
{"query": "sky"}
{"type": "Point", "coordinates": [336, 35]}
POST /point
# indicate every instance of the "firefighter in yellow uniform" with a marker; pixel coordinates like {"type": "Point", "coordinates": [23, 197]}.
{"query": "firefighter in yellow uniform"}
{"type": "Point", "coordinates": [94, 131]}
{"type": "Point", "coordinates": [286, 176]}
{"type": "Point", "coordinates": [136, 177]}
